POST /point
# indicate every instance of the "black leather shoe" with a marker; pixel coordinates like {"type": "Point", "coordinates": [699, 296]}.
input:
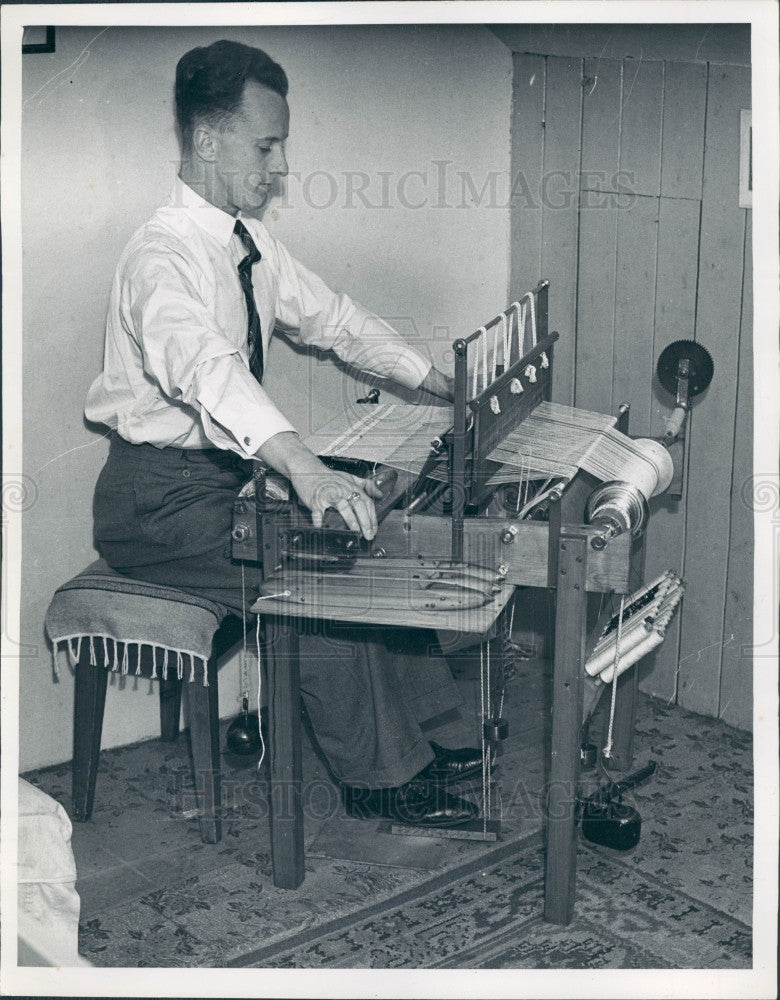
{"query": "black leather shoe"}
{"type": "Point", "coordinates": [419, 803]}
{"type": "Point", "coordinates": [449, 766]}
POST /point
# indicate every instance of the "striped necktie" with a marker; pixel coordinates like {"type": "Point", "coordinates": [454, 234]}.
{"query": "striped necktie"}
{"type": "Point", "coordinates": [254, 340]}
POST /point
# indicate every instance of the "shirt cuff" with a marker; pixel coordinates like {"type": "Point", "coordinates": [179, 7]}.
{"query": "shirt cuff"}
{"type": "Point", "coordinates": [232, 398]}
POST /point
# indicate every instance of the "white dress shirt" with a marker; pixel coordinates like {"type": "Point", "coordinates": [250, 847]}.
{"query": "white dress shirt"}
{"type": "Point", "coordinates": [175, 368]}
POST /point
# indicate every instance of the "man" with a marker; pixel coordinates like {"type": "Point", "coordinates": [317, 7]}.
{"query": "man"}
{"type": "Point", "coordinates": [197, 294]}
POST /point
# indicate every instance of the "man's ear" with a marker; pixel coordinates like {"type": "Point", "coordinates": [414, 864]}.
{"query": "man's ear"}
{"type": "Point", "coordinates": [205, 143]}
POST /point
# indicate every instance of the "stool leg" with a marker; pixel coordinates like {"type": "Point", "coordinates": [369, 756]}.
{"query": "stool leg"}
{"type": "Point", "coordinates": [280, 651]}
{"type": "Point", "coordinates": [90, 703]}
{"type": "Point", "coordinates": [204, 740]}
{"type": "Point", "coordinates": [170, 708]}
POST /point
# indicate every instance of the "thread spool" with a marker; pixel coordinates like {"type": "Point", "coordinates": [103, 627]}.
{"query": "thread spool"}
{"type": "Point", "coordinates": [604, 657]}
{"type": "Point", "coordinates": [656, 476]}
{"type": "Point", "coordinates": [618, 507]}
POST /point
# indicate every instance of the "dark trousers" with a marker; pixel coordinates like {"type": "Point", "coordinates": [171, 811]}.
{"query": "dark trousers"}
{"type": "Point", "coordinates": [164, 515]}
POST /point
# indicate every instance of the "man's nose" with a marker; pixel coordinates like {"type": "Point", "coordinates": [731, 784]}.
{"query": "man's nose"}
{"type": "Point", "coordinates": [278, 163]}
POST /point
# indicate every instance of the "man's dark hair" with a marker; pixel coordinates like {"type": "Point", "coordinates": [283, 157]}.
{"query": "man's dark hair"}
{"type": "Point", "coordinates": [210, 84]}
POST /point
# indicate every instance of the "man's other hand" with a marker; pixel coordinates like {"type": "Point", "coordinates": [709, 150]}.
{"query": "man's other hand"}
{"type": "Point", "coordinates": [319, 487]}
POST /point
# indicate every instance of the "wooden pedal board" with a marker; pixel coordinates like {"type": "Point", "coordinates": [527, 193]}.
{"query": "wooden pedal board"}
{"type": "Point", "coordinates": [475, 829]}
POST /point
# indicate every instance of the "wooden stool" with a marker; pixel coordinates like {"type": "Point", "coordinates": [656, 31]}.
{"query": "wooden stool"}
{"type": "Point", "coordinates": [95, 615]}
{"type": "Point", "coordinates": [90, 700]}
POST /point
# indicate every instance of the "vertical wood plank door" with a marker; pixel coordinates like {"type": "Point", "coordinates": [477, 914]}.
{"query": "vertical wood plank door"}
{"type": "Point", "coordinates": [655, 249]}
{"type": "Point", "coordinates": [679, 220]}
{"type": "Point", "coordinates": [712, 423]}
{"type": "Point", "coordinates": [736, 688]}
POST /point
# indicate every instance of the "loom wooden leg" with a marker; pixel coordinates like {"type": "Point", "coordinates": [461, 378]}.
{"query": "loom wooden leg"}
{"type": "Point", "coordinates": [204, 739]}
{"type": "Point", "coordinates": [90, 702]}
{"type": "Point", "coordinates": [281, 650]}
{"type": "Point", "coordinates": [170, 708]}
{"type": "Point", "coordinates": [570, 632]}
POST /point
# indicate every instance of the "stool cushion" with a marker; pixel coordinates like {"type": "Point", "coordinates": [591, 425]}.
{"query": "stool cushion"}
{"type": "Point", "coordinates": [123, 613]}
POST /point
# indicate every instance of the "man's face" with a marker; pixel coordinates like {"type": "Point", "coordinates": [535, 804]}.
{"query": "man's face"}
{"type": "Point", "coordinates": [250, 157]}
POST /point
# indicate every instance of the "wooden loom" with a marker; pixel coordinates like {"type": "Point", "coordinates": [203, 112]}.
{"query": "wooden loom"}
{"type": "Point", "coordinates": [448, 556]}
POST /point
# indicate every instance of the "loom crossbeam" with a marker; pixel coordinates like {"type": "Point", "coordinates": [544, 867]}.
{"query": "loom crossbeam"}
{"type": "Point", "coordinates": [526, 557]}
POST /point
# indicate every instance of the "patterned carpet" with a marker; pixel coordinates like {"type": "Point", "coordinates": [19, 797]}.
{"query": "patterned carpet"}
{"type": "Point", "coordinates": [153, 895]}
{"type": "Point", "coordinates": [625, 920]}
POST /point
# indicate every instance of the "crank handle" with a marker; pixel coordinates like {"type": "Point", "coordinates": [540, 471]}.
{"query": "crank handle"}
{"type": "Point", "coordinates": [675, 423]}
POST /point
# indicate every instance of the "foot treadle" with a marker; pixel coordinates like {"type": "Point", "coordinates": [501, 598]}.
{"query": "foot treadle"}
{"type": "Point", "coordinates": [475, 829]}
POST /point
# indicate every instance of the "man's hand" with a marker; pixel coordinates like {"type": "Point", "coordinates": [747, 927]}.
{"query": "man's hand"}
{"type": "Point", "coordinates": [319, 487]}
{"type": "Point", "coordinates": [439, 384]}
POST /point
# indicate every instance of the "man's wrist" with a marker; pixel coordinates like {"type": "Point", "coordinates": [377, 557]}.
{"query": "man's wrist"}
{"type": "Point", "coordinates": [286, 453]}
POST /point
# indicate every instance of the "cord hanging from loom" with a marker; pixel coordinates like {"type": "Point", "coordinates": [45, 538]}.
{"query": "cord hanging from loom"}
{"type": "Point", "coordinates": [490, 709]}
{"type": "Point", "coordinates": [244, 670]}
{"type": "Point", "coordinates": [241, 736]}
{"type": "Point", "coordinates": [475, 371]}
{"type": "Point", "coordinates": [259, 693]}
{"type": "Point", "coordinates": [514, 313]}
{"type": "Point", "coordinates": [532, 301]}
{"type": "Point", "coordinates": [485, 376]}
{"type": "Point", "coordinates": [607, 751]}
{"type": "Point", "coordinates": [508, 646]}
{"type": "Point", "coordinates": [483, 743]}
{"type": "Point", "coordinates": [511, 316]}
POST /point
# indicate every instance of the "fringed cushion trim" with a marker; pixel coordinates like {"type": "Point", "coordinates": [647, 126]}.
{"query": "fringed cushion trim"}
{"type": "Point", "coordinates": [113, 661]}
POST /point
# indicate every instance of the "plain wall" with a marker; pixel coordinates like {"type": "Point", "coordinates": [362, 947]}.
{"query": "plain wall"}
{"type": "Point", "coordinates": [369, 105]}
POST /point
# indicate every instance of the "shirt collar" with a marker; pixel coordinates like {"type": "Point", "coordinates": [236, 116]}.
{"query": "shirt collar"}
{"type": "Point", "coordinates": [210, 218]}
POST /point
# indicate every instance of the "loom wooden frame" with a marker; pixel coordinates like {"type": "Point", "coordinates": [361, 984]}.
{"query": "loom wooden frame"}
{"type": "Point", "coordinates": [557, 556]}
{"type": "Point", "coordinates": [570, 566]}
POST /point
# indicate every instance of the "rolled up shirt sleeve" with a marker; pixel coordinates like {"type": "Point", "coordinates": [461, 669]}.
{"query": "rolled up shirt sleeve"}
{"type": "Point", "coordinates": [307, 309]}
{"type": "Point", "coordinates": [191, 359]}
